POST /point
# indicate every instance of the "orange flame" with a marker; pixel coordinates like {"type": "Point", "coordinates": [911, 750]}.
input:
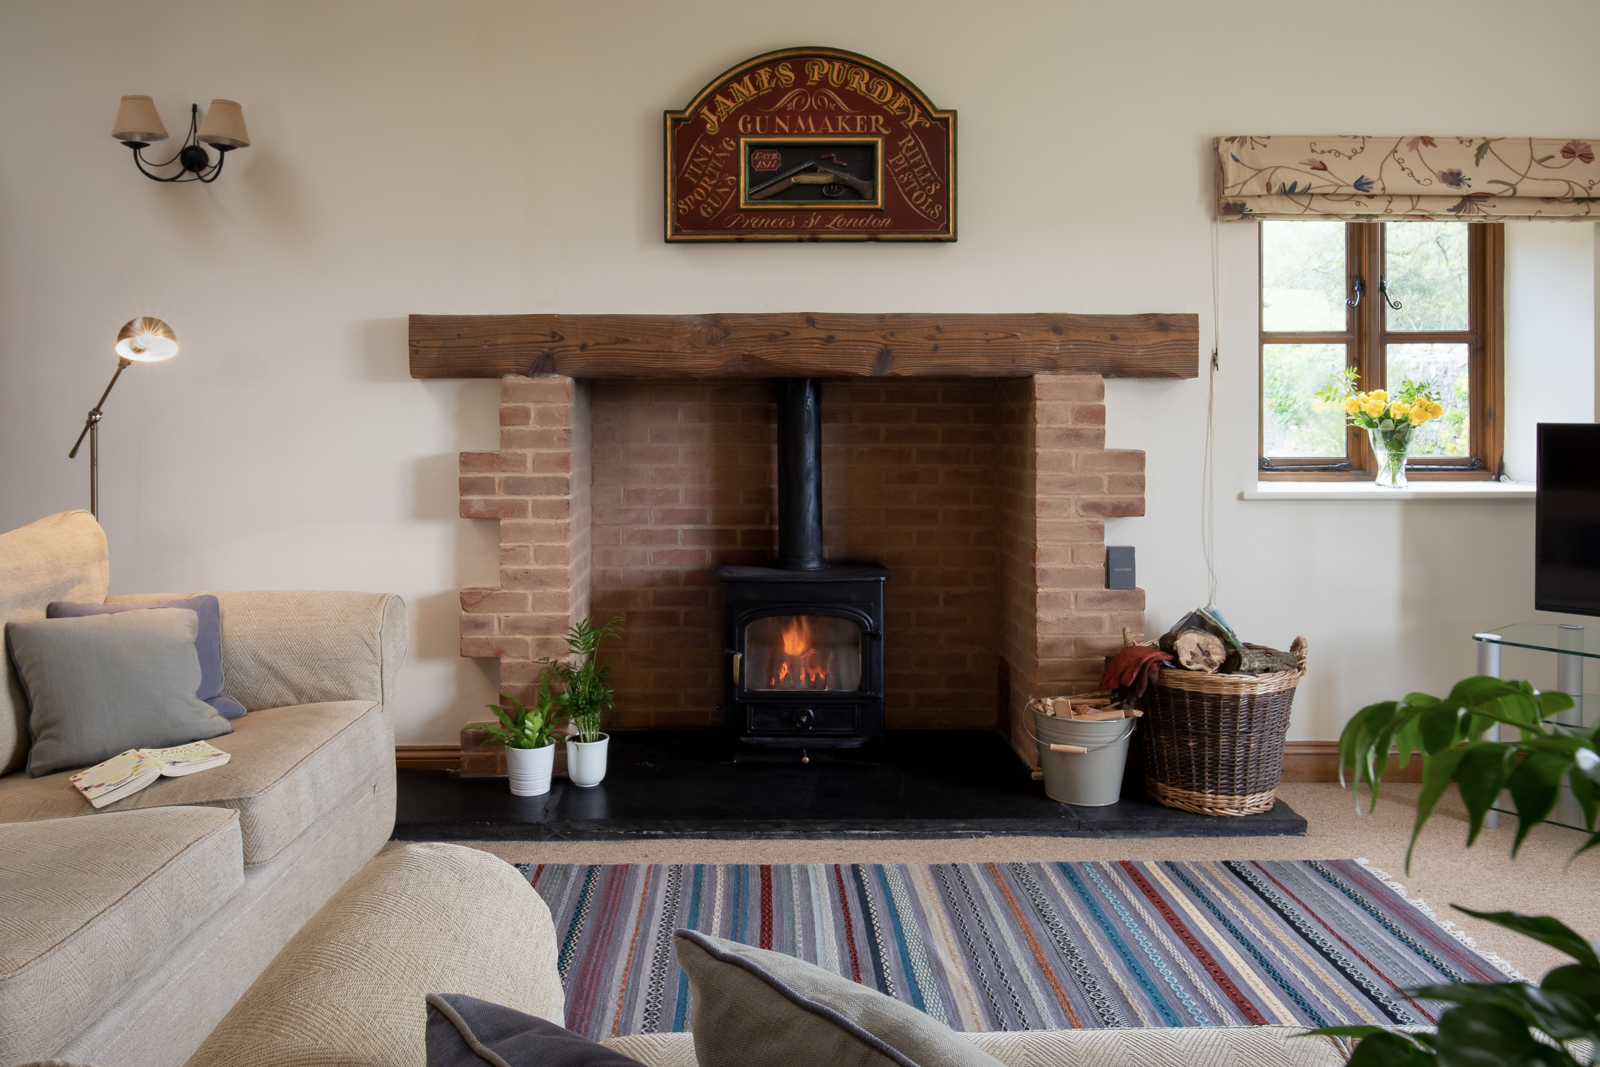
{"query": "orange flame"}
{"type": "Point", "coordinates": [804, 668]}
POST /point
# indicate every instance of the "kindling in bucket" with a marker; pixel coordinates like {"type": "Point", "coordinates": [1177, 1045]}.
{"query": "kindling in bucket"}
{"type": "Point", "coordinates": [1083, 748]}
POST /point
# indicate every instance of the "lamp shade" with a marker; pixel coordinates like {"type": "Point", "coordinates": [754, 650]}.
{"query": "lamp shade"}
{"type": "Point", "coordinates": [146, 340]}
{"type": "Point", "coordinates": [223, 125]}
{"type": "Point", "coordinates": [137, 121]}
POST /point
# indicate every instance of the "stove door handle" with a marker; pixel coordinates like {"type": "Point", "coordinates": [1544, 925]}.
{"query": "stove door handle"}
{"type": "Point", "coordinates": [737, 660]}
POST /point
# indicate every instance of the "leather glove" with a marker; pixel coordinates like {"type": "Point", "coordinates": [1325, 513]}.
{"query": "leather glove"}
{"type": "Point", "coordinates": [1132, 670]}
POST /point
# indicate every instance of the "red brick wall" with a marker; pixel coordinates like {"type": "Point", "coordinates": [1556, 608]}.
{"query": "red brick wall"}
{"type": "Point", "coordinates": [985, 498]}
{"type": "Point", "coordinates": [683, 481]}
{"type": "Point", "coordinates": [909, 481]}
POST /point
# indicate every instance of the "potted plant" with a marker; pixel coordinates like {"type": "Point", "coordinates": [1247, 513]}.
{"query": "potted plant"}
{"type": "Point", "coordinates": [584, 696]}
{"type": "Point", "coordinates": [1492, 1024]}
{"type": "Point", "coordinates": [529, 736]}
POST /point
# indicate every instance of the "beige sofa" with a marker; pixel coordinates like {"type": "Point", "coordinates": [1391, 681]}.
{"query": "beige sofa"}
{"type": "Point", "coordinates": [127, 933]}
{"type": "Point", "coordinates": [437, 918]}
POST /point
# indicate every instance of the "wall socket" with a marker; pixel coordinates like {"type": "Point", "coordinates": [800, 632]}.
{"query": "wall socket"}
{"type": "Point", "coordinates": [1119, 567]}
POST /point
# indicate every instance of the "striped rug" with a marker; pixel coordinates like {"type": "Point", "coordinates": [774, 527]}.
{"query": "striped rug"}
{"type": "Point", "coordinates": [1019, 946]}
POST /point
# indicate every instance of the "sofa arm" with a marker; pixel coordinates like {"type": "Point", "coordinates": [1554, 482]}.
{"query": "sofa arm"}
{"type": "Point", "coordinates": [283, 647]}
{"type": "Point", "coordinates": [348, 988]}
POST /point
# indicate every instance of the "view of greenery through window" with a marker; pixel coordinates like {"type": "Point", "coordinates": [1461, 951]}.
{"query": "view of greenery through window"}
{"type": "Point", "coordinates": [1302, 290]}
{"type": "Point", "coordinates": [1426, 264]}
{"type": "Point", "coordinates": [1304, 282]}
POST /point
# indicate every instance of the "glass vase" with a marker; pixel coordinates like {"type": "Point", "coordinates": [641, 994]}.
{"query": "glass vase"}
{"type": "Point", "coordinates": [1390, 447]}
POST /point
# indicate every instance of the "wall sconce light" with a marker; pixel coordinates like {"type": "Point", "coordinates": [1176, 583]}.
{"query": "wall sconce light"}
{"type": "Point", "coordinates": [141, 340]}
{"type": "Point", "coordinates": [138, 126]}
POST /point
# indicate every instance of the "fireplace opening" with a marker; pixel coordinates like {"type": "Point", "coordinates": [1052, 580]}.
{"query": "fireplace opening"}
{"type": "Point", "coordinates": [819, 653]}
{"type": "Point", "coordinates": [802, 640]}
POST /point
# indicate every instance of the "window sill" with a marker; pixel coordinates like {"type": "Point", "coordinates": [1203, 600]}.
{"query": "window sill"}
{"type": "Point", "coordinates": [1366, 491]}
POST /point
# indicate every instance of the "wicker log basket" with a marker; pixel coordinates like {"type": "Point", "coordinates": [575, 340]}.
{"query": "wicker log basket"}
{"type": "Point", "coordinates": [1213, 743]}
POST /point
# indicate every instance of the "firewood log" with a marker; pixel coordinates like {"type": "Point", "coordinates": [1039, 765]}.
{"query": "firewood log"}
{"type": "Point", "coordinates": [1195, 650]}
{"type": "Point", "coordinates": [1259, 661]}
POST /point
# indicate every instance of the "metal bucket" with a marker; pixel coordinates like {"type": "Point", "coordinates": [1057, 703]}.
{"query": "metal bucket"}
{"type": "Point", "coordinates": [1089, 779]}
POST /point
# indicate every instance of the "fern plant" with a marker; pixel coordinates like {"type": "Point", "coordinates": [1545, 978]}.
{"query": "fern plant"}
{"type": "Point", "coordinates": [1491, 1024]}
{"type": "Point", "coordinates": [585, 694]}
{"type": "Point", "coordinates": [521, 726]}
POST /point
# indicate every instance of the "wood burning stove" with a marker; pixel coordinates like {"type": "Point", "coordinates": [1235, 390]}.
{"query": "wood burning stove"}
{"type": "Point", "coordinates": [802, 639]}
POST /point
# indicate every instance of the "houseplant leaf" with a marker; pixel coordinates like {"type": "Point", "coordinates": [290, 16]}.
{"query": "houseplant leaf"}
{"type": "Point", "coordinates": [1542, 928]}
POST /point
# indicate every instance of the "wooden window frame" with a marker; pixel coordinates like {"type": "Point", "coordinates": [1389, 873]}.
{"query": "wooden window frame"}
{"type": "Point", "coordinates": [1366, 340]}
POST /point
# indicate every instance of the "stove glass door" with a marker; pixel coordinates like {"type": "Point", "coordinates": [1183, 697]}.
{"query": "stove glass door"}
{"type": "Point", "coordinates": [792, 653]}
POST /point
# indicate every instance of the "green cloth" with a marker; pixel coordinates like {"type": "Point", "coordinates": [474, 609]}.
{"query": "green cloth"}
{"type": "Point", "coordinates": [749, 1005]}
{"type": "Point", "coordinates": [102, 684]}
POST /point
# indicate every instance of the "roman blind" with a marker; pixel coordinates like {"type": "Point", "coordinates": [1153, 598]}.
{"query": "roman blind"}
{"type": "Point", "coordinates": [1374, 179]}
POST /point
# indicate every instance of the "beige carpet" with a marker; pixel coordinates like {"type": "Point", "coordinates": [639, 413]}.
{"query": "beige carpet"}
{"type": "Point", "coordinates": [1540, 881]}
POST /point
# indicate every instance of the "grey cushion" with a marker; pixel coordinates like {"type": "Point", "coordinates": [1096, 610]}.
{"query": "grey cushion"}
{"type": "Point", "coordinates": [464, 1031]}
{"type": "Point", "coordinates": [105, 683]}
{"type": "Point", "coordinates": [749, 1005]}
{"type": "Point", "coordinates": [207, 640]}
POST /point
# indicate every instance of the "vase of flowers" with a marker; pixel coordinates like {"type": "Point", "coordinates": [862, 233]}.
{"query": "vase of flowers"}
{"type": "Point", "coordinates": [1390, 422]}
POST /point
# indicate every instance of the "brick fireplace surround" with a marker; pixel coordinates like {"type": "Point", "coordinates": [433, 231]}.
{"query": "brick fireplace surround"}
{"type": "Point", "coordinates": [984, 495]}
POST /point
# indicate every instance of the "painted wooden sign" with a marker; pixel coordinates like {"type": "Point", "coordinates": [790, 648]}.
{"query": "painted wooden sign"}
{"type": "Point", "coordinates": [811, 144]}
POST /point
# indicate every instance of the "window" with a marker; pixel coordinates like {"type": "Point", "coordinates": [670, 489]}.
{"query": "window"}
{"type": "Point", "coordinates": [1392, 300]}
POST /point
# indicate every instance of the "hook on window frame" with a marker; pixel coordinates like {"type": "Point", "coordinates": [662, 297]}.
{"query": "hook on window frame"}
{"type": "Point", "coordinates": [1383, 287]}
{"type": "Point", "coordinates": [1359, 285]}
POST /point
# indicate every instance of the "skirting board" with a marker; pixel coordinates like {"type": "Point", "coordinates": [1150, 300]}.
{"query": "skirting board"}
{"type": "Point", "coordinates": [428, 757]}
{"type": "Point", "coordinates": [1303, 761]}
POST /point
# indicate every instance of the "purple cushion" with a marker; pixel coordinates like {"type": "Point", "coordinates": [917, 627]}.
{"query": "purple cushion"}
{"type": "Point", "coordinates": [207, 642]}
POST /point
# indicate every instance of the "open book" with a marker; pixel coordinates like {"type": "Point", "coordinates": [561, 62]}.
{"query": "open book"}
{"type": "Point", "coordinates": [128, 772]}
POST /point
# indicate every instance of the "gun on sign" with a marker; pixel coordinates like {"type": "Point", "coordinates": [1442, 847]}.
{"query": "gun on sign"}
{"type": "Point", "coordinates": [812, 172]}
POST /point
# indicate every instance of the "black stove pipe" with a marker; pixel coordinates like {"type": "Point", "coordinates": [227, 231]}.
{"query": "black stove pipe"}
{"type": "Point", "coordinates": [800, 474]}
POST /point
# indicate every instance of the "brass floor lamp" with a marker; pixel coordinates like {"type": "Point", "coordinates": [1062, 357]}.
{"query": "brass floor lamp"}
{"type": "Point", "coordinates": [142, 340]}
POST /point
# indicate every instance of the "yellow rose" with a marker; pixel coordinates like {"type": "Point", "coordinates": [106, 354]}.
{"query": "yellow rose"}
{"type": "Point", "coordinates": [1352, 405]}
{"type": "Point", "coordinates": [1419, 416]}
{"type": "Point", "coordinates": [1398, 410]}
{"type": "Point", "coordinates": [1373, 407]}
{"type": "Point", "coordinates": [1379, 395]}
{"type": "Point", "coordinates": [1435, 409]}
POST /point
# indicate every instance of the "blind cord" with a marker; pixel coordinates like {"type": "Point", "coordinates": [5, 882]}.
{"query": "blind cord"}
{"type": "Point", "coordinates": [1208, 467]}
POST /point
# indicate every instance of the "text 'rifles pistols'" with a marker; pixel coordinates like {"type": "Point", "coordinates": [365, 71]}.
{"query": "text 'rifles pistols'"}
{"type": "Point", "coordinates": [834, 180]}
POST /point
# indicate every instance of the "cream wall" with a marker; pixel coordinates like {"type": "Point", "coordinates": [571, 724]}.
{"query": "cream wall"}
{"type": "Point", "coordinates": [504, 157]}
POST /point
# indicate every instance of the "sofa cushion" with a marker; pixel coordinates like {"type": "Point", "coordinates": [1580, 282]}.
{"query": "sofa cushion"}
{"type": "Point", "coordinates": [103, 684]}
{"type": "Point", "coordinates": [290, 767]}
{"type": "Point", "coordinates": [752, 1005]}
{"type": "Point", "coordinates": [88, 905]}
{"type": "Point", "coordinates": [60, 557]}
{"type": "Point", "coordinates": [465, 1031]}
{"type": "Point", "coordinates": [1186, 1046]}
{"type": "Point", "coordinates": [207, 640]}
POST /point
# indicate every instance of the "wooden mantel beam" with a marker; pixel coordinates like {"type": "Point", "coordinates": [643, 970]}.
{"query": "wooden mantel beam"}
{"type": "Point", "coordinates": [799, 344]}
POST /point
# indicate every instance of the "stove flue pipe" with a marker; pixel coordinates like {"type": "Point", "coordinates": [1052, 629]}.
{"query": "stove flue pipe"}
{"type": "Point", "coordinates": [800, 474]}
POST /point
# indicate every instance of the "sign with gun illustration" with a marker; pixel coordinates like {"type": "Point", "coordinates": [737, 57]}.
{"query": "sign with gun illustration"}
{"type": "Point", "coordinates": [811, 173]}
{"type": "Point", "coordinates": [810, 144]}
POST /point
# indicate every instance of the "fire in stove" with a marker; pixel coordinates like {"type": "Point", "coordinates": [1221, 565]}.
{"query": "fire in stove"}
{"type": "Point", "coordinates": [809, 652]}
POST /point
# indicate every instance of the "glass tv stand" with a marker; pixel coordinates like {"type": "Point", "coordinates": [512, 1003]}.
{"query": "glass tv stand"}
{"type": "Point", "coordinates": [1572, 645]}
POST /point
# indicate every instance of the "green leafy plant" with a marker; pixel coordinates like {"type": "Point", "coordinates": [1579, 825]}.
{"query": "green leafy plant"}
{"type": "Point", "coordinates": [1491, 1024]}
{"type": "Point", "coordinates": [584, 692]}
{"type": "Point", "coordinates": [1449, 733]}
{"type": "Point", "coordinates": [522, 726]}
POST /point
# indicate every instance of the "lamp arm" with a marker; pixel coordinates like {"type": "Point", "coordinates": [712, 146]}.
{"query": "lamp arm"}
{"type": "Point", "coordinates": [94, 414]}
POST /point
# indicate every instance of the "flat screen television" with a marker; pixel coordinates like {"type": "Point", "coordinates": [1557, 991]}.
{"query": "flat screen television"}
{"type": "Point", "coordinates": [1567, 568]}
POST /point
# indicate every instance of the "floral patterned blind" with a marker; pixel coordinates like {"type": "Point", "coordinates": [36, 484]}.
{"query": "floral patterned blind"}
{"type": "Point", "coordinates": [1473, 179]}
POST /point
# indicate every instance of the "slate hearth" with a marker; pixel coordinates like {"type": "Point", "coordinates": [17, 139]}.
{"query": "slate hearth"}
{"type": "Point", "coordinates": [919, 783]}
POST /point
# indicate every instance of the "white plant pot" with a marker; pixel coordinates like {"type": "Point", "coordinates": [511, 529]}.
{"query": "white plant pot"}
{"type": "Point", "coordinates": [586, 761]}
{"type": "Point", "coordinates": [530, 769]}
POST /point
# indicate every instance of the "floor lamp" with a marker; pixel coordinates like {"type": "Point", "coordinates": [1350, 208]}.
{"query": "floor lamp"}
{"type": "Point", "coordinates": [142, 340]}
